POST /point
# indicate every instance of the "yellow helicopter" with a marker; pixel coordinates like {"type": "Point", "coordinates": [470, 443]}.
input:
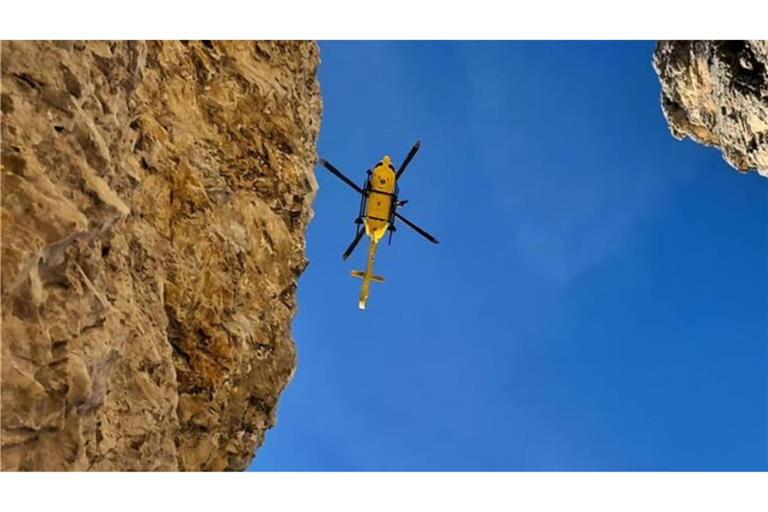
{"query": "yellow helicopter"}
{"type": "Point", "coordinates": [378, 211]}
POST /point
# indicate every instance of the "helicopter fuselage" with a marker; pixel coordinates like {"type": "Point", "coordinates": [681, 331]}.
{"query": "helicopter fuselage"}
{"type": "Point", "coordinates": [381, 196]}
{"type": "Point", "coordinates": [379, 202]}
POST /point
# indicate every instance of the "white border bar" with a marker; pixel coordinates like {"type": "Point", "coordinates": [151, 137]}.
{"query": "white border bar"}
{"type": "Point", "coordinates": [626, 492]}
{"type": "Point", "coordinates": [391, 19]}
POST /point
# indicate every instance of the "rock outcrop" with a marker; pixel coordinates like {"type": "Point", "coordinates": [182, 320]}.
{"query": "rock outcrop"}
{"type": "Point", "coordinates": [716, 92]}
{"type": "Point", "coordinates": [155, 198]}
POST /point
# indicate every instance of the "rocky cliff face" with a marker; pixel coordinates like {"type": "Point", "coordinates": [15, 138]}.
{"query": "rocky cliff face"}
{"type": "Point", "coordinates": [154, 202]}
{"type": "Point", "coordinates": [716, 92]}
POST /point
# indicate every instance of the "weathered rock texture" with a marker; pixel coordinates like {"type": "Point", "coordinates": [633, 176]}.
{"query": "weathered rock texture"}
{"type": "Point", "coordinates": [716, 92]}
{"type": "Point", "coordinates": [154, 202]}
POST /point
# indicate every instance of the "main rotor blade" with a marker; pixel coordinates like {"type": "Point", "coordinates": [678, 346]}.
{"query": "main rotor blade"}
{"type": "Point", "coordinates": [408, 159]}
{"type": "Point", "coordinates": [325, 163]}
{"type": "Point", "coordinates": [417, 229]}
{"type": "Point", "coordinates": [358, 236]}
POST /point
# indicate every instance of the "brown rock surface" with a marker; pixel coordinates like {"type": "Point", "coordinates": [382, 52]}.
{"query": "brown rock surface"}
{"type": "Point", "coordinates": [716, 92]}
{"type": "Point", "coordinates": [154, 202]}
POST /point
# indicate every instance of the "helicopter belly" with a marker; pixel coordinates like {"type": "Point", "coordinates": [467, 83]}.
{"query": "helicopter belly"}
{"type": "Point", "coordinates": [377, 216]}
{"type": "Point", "coordinates": [379, 206]}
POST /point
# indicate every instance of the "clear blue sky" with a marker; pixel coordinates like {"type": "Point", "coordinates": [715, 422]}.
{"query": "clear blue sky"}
{"type": "Point", "coordinates": [600, 297]}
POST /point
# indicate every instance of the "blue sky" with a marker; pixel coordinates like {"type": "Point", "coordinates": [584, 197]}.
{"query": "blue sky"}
{"type": "Point", "coordinates": [599, 300]}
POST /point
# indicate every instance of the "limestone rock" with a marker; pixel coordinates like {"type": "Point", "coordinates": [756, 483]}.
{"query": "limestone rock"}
{"type": "Point", "coordinates": [155, 197]}
{"type": "Point", "coordinates": [716, 92]}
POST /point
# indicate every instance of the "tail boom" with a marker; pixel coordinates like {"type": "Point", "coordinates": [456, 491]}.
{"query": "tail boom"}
{"type": "Point", "coordinates": [368, 275]}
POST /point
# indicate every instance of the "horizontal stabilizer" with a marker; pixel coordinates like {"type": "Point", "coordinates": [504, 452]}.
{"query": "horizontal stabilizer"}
{"type": "Point", "coordinates": [361, 275]}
